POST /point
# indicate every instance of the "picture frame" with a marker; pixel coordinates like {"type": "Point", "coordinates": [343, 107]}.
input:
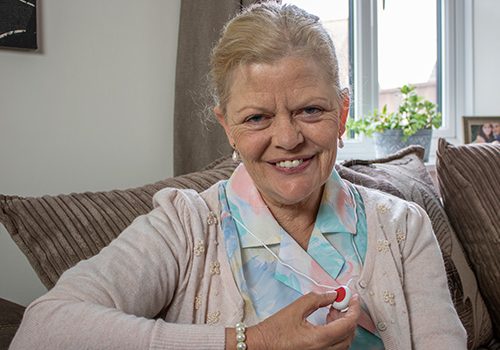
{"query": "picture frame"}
{"type": "Point", "coordinates": [481, 129]}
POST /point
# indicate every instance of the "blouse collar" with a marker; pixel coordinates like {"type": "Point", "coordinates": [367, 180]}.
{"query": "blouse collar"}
{"type": "Point", "coordinates": [337, 211]}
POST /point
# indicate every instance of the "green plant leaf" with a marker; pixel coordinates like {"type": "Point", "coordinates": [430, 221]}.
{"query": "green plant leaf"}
{"type": "Point", "coordinates": [414, 113]}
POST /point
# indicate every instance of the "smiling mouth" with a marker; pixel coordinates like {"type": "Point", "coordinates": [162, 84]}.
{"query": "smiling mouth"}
{"type": "Point", "coordinates": [291, 164]}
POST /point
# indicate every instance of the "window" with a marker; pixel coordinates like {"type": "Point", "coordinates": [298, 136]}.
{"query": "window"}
{"type": "Point", "coordinates": [384, 44]}
{"type": "Point", "coordinates": [407, 49]}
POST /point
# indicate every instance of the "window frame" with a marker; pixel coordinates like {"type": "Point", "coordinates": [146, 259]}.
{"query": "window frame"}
{"type": "Point", "coordinates": [457, 73]}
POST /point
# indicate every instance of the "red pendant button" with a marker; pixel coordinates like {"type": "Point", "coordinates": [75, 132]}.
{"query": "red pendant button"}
{"type": "Point", "coordinates": [340, 294]}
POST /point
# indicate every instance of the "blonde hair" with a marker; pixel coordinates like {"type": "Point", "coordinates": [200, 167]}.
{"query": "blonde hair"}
{"type": "Point", "coordinates": [265, 33]}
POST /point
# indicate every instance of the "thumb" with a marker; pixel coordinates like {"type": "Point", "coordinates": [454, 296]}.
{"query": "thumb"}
{"type": "Point", "coordinates": [313, 301]}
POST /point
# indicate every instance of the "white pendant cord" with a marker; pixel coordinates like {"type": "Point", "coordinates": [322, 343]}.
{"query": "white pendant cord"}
{"type": "Point", "coordinates": [358, 256]}
{"type": "Point", "coordinates": [284, 263]}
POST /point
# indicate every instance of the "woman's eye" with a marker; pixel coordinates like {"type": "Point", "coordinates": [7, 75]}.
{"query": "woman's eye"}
{"type": "Point", "coordinates": [311, 111]}
{"type": "Point", "coordinates": [255, 118]}
{"type": "Point", "coordinates": [258, 121]}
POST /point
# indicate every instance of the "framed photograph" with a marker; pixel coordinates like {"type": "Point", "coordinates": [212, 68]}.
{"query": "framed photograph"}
{"type": "Point", "coordinates": [18, 24]}
{"type": "Point", "coordinates": [481, 129]}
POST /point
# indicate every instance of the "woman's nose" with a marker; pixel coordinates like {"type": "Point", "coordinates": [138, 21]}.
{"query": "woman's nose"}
{"type": "Point", "coordinates": [287, 133]}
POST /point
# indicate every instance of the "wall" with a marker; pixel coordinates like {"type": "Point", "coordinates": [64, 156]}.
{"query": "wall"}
{"type": "Point", "coordinates": [92, 110]}
{"type": "Point", "coordinates": [486, 57]}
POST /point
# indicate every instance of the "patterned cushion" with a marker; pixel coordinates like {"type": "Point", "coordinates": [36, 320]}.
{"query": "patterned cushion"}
{"type": "Point", "coordinates": [55, 232]}
{"type": "Point", "coordinates": [469, 178]}
{"type": "Point", "coordinates": [404, 175]}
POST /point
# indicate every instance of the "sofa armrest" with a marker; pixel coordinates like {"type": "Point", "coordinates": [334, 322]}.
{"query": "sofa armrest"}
{"type": "Point", "coordinates": [11, 315]}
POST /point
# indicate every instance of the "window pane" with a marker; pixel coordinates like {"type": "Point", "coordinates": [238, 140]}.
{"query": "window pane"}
{"type": "Point", "coordinates": [334, 15]}
{"type": "Point", "coordinates": [407, 49]}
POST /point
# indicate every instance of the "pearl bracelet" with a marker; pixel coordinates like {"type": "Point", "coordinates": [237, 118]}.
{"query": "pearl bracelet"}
{"type": "Point", "coordinates": [240, 336]}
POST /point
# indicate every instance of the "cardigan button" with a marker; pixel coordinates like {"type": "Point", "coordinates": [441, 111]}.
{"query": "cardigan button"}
{"type": "Point", "coordinates": [362, 284]}
{"type": "Point", "coordinates": [381, 326]}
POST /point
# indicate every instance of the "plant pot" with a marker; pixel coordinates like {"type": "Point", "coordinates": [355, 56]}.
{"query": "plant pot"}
{"type": "Point", "coordinates": [391, 141]}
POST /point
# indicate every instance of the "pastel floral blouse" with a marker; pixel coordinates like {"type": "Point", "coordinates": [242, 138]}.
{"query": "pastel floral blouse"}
{"type": "Point", "coordinates": [334, 255]}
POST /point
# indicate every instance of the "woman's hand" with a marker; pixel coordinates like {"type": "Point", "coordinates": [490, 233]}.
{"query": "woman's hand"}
{"type": "Point", "coordinates": [289, 328]}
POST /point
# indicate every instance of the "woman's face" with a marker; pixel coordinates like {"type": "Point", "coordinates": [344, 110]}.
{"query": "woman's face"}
{"type": "Point", "coordinates": [487, 129]}
{"type": "Point", "coordinates": [284, 119]}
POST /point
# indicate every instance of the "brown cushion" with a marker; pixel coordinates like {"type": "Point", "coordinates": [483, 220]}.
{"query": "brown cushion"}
{"type": "Point", "coordinates": [11, 315]}
{"type": "Point", "coordinates": [55, 232]}
{"type": "Point", "coordinates": [469, 179]}
{"type": "Point", "coordinates": [404, 174]}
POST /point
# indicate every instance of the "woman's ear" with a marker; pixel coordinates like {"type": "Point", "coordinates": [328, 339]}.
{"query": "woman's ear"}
{"type": "Point", "coordinates": [344, 113]}
{"type": "Point", "coordinates": [221, 118]}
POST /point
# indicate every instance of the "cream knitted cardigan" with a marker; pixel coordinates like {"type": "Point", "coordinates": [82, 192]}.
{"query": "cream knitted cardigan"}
{"type": "Point", "coordinates": [172, 262]}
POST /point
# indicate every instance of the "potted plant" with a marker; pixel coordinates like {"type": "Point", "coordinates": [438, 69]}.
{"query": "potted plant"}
{"type": "Point", "coordinates": [411, 124]}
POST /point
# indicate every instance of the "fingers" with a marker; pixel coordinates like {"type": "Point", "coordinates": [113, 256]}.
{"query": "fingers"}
{"type": "Point", "coordinates": [340, 328]}
{"type": "Point", "coordinates": [354, 307]}
{"type": "Point", "coordinates": [353, 311]}
{"type": "Point", "coordinates": [289, 328]}
{"type": "Point", "coordinates": [313, 301]}
{"type": "Point", "coordinates": [342, 325]}
{"type": "Point", "coordinates": [333, 315]}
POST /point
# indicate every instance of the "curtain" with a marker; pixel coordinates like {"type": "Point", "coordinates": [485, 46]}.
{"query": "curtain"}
{"type": "Point", "coordinates": [197, 142]}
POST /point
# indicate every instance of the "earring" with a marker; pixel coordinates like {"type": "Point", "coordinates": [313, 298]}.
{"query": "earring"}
{"type": "Point", "coordinates": [236, 155]}
{"type": "Point", "coordinates": [341, 143]}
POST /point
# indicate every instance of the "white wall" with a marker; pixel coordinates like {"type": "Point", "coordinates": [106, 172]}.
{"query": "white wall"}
{"type": "Point", "coordinates": [486, 57]}
{"type": "Point", "coordinates": [92, 110]}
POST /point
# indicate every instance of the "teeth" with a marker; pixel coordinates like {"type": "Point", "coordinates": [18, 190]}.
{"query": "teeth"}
{"type": "Point", "coordinates": [290, 163]}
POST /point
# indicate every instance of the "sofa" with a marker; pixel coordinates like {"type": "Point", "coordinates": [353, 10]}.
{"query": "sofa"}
{"type": "Point", "coordinates": [55, 232]}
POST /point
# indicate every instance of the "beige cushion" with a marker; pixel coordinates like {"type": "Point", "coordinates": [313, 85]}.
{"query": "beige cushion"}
{"type": "Point", "coordinates": [469, 179]}
{"type": "Point", "coordinates": [55, 232]}
{"type": "Point", "coordinates": [404, 175]}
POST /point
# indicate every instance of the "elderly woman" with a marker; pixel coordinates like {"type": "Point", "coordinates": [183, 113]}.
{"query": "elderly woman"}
{"type": "Point", "coordinates": [255, 261]}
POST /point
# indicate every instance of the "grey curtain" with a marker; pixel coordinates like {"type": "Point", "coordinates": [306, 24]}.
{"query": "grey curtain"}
{"type": "Point", "coordinates": [197, 143]}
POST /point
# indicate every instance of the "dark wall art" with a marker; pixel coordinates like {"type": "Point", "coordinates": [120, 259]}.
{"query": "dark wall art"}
{"type": "Point", "coordinates": [18, 24]}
